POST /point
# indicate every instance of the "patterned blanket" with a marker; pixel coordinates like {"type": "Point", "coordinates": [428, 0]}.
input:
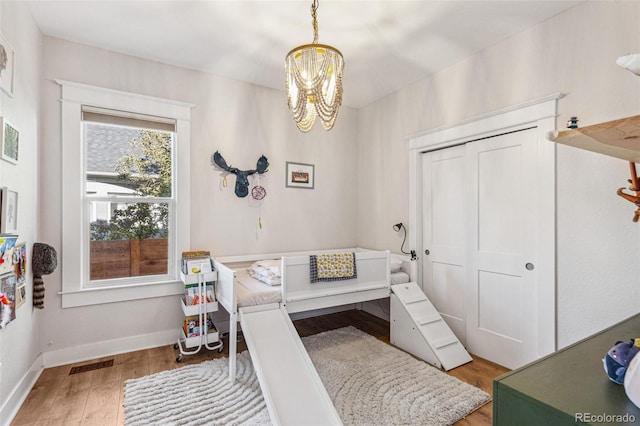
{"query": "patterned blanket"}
{"type": "Point", "coordinates": [333, 267]}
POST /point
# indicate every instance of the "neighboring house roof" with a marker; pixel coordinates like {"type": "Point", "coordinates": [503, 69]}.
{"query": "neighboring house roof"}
{"type": "Point", "coordinates": [106, 145]}
{"type": "Point", "coordinates": [105, 189]}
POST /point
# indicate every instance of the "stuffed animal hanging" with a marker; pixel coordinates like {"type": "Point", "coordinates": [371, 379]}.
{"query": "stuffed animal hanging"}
{"type": "Point", "coordinates": [44, 262]}
{"type": "Point", "coordinates": [618, 358]}
{"type": "Point", "coordinates": [242, 181]}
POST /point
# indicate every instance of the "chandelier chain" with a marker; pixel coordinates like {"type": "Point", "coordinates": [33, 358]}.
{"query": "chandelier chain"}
{"type": "Point", "coordinates": [314, 15]}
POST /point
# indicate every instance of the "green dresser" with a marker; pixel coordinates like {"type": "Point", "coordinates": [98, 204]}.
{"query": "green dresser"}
{"type": "Point", "coordinates": [567, 387]}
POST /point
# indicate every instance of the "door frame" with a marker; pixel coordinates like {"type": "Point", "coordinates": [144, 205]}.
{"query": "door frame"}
{"type": "Point", "coordinates": [539, 113]}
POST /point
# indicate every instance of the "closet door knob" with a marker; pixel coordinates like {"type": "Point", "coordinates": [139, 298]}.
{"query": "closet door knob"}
{"type": "Point", "coordinates": [427, 252]}
{"type": "Point", "coordinates": [529, 266]}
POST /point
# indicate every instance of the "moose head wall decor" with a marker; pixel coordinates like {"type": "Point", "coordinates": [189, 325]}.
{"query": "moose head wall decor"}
{"type": "Point", "coordinates": [242, 176]}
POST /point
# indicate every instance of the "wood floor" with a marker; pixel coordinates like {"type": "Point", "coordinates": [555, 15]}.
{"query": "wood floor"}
{"type": "Point", "coordinates": [95, 397]}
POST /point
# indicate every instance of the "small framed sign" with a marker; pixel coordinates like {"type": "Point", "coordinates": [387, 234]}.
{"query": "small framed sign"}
{"type": "Point", "coordinates": [300, 175]}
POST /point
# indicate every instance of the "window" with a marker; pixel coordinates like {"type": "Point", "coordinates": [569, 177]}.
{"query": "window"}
{"type": "Point", "coordinates": [125, 183]}
{"type": "Point", "coordinates": [128, 195]}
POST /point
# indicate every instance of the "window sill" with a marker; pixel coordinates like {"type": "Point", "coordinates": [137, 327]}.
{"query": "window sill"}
{"type": "Point", "coordinates": [100, 295]}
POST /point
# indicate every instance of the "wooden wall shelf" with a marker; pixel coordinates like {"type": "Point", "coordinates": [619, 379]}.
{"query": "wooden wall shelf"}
{"type": "Point", "coordinates": [618, 138]}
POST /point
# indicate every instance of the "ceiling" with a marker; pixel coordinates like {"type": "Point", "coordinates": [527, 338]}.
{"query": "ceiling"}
{"type": "Point", "coordinates": [387, 44]}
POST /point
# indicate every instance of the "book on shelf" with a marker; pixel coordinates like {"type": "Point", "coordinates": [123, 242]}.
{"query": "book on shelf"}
{"type": "Point", "coordinates": [196, 253]}
{"type": "Point", "coordinates": [192, 327]}
{"type": "Point", "coordinates": [192, 294]}
{"type": "Point", "coordinates": [196, 262]}
{"type": "Point", "coordinates": [197, 266]}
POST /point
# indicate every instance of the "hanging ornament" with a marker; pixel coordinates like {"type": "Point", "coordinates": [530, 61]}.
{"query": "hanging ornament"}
{"type": "Point", "coordinates": [223, 181]}
{"type": "Point", "coordinates": [258, 192]}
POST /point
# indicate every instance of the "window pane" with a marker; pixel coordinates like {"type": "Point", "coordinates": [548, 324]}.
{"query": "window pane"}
{"type": "Point", "coordinates": [128, 239]}
{"type": "Point", "coordinates": [126, 160]}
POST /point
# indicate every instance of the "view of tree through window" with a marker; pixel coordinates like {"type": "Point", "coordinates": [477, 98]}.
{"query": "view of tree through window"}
{"type": "Point", "coordinates": [129, 189]}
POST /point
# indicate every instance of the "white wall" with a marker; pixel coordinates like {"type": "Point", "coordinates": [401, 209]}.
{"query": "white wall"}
{"type": "Point", "coordinates": [242, 121]}
{"type": "Point", "coordinates": [19, 341]}
{"type": "Point", "coordinates": [598, 273]}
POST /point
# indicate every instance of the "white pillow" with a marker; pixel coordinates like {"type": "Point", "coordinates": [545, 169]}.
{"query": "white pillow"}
{"type": "Point", "coordinates": [266, 279]}
{"type": "Point", "coordinates": [273, 265]}
{"type": "Point", "coordinates": [396, 264]}
{"type": "Point", "coordinates": [266, 271]}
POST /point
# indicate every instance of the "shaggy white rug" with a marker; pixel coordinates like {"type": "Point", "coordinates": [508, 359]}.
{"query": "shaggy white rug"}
{"type": "Point", "coordinates": [369, 382]}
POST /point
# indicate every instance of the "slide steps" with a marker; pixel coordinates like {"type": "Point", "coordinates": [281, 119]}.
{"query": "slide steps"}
{"type": "Point", "coordinates": [418, 328]}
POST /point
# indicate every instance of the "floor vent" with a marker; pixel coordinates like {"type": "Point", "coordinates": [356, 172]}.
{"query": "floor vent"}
{"type": "Point", "coordinates": [91, 367]}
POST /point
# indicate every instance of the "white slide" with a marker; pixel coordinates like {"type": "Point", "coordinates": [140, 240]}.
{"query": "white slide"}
{"type": "Point", "coordinates": [418, 328]}
{"type": "Point", "coordinates": [290, 384]}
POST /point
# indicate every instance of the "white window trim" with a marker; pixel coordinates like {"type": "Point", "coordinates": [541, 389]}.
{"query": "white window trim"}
{"type": "Point", "coordinates": [74, 251]}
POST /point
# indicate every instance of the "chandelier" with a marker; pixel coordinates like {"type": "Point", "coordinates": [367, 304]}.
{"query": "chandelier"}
{"type": "Point", "coordinates": [314, 81]}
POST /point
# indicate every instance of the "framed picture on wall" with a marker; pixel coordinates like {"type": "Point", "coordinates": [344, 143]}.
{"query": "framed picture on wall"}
{"type": "Point", "coordinates": [10, 141]}
{"type": "Point", "coordinates": [19, 261]}
{"type": "Point", "coordinates": [7, 246]}
{"type": "Point", "coordinates": [300, 175]}
{"type": "Point", "coordinates": [7, 66]}
{"type": "Point", "coordinates": [8, 299]}
{"type": "Point", "coordinates": [8, 211]}
{"type": "Point", "coordinates": [21, 295]}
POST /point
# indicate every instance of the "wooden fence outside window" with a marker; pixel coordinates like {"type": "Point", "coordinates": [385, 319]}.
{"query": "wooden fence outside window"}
{"type": "Point", "coordinates": [128, 258]}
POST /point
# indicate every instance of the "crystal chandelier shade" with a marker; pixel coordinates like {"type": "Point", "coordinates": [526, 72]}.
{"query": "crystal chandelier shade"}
{"type": "Point", "coordinates": [314, 81]}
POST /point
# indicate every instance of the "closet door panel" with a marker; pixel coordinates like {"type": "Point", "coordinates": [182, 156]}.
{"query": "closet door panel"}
{"type": "Point", "coordinates": [500, 184]}
{"type": "Point", "coordinates": [444, 235]}
{"type": "Point", "coordinates": [501, 230]}
{"type": "Point", "coordinates": [495, 316]}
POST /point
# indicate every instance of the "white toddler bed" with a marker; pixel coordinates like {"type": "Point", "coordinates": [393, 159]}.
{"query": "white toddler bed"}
{"type": "Point", "coordinates": [236, 289]}
{"type": "Point", "coordinates": [292, 389]}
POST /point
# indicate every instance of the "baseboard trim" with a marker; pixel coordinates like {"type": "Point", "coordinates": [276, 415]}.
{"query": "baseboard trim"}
{"type": "Point", "coordinates": [145, 341]}
{"type": "Point", "coordinates": [109, 347]}
{"type": "Point", "coordinates": [21, 391]}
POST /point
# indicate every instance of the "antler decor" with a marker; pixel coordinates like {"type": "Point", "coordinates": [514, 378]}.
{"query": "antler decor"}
{"type": "Point", "coordinates": [242, 181]}
{"type": "Point", "coordinates": [635, 199]}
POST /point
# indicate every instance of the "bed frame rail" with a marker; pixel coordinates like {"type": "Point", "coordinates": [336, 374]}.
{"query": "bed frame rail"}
{"type": "Point", "coordinates": [300, 294]}
{"type": "Point", "coordinates": [226, 295]}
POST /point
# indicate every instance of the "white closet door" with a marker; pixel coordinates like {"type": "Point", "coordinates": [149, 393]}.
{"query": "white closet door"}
{"type": "Point", "coordinates": [444, 235]}
{"type": "Point", "coordinates": [500, 206]}
{"type": "Point", "coordinates": [479, 230]}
